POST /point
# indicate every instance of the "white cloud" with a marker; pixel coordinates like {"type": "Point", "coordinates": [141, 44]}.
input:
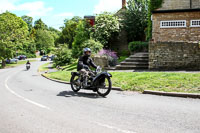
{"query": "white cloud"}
{"type": "Point", "coordinates": [108, 5]}
{"type": "Point", "coordinates": [6, 5]}
{"type": "Point", "coordinates": [33, 9]}
{"type": "Point", "coordinates": [36, 8]}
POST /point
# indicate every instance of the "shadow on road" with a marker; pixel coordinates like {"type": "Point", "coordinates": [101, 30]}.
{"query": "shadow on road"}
{"type": "Point", "coordinates": [78, 94]}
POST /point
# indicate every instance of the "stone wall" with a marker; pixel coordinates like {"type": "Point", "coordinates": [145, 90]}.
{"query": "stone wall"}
{"type": "Point", "coordinates": [101, 61]}
{"type": "Point", "coordinates": [179, 4]}
{"type": "Point", "coordinates": [186, 34]}
{"type": "Point", "coordinates": [196, 4]}
{"type": "Point", "coordinates": [174, 55]}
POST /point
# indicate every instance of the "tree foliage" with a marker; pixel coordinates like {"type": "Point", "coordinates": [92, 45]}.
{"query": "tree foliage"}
{"type": "Point", "coordinates": [106, 27]}
{"type": "Point", "coordinates": [95, 46]}
{"type": "Point", "coordinates": [135, 21]}
{"type": "Point", "coordinates": [12, 31]}
{"type": "Point", "coordinates": [44, 40]}
{"type": "Point", "coordinates": [29, 21]}
{"type": "Point", "coordinates": [68, 31]}
{"type": "Point", "coordinates": [39, 24]}
{"type": "Point", "coordinates": [153, 4]}
{"type": "Point", "coordinates": [82, 34]}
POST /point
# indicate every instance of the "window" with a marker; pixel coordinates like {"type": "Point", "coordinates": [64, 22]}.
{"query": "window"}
{"type": "Point", "coordinates": [195, 23]}
{"type": "Point", "coordinates": [173, 24]}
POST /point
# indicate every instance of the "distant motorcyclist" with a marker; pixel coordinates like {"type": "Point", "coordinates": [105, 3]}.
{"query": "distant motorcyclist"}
{"type": "Point", "coordinates": [85, 62]}
{"type": "Point", "coordinates": [28, 64]}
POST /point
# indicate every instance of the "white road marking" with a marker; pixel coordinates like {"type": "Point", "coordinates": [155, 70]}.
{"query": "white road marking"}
{"type": "Point", "coordinates": [25, 99]}
{"type": "Point", "coordinates": [115, 128]}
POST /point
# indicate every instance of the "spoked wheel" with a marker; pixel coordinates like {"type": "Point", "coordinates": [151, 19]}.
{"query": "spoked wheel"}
{"type": "Point", "coordinates": [104, 87]}
{"type": "Point", "coordinates": [75, 83]}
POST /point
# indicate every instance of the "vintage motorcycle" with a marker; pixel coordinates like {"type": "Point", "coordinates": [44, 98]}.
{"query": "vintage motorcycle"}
{"type": "Point", "coordinates": [28, 66]}
{"type": "Point", "coordinates": [97, 81]}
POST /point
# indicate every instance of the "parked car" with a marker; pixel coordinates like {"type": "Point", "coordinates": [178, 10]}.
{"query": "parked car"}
{"type": "Point", "coordinates": [14, 60]}
{"type": "Point", "coordinates": [21, 57]}
{"type": "Point", "coordinates": [44, 58]}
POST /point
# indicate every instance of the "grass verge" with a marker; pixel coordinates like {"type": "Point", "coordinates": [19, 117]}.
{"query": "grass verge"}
{"type": "Point", "coordinates": [139, 81]}
{"type": "Point", "coordinates": [17, 64]}
{"type": "Point", "coordinates": [44, 67]}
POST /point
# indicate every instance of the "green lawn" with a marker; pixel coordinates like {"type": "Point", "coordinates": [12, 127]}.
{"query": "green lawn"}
{"type": "Point", "coordinates": [21, 62]}
{"type": "Point", "coordinates": [71, 67]}
{"type": "Point", "coordinates": [60, 75]}
{"type": "Point", "coordinates": [44, 67]}
{"type": "Point", "coordinates": [139, 81]}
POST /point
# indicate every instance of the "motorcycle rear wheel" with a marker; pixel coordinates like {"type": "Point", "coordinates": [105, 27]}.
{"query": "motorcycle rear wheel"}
{"type": "Point", "coordinates": [73, 83]}
{"type": "Point", "coordinates": [105, 89]}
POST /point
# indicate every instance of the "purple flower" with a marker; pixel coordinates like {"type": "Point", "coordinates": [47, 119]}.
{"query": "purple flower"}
{"type": "Point", "coordinates": [108, 53]}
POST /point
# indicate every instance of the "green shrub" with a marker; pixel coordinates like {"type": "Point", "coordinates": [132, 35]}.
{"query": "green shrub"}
{"type": "Point", "coordinates": [63, 56]}
{"type": "Point", "coordinates": [124, 53]}
{"type": "Point", "coordinates": [95, 46]}
{"type": "Point", "coordinates": [138, 46]}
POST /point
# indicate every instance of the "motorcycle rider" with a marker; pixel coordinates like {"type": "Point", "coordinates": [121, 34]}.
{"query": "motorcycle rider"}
{"type": "Point", "coordinates": [84, 64]}
{"type": "Point", "coordinates": [28, 63]}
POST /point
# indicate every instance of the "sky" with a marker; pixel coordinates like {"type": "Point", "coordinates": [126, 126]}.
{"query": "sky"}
{"type": "Point", "coordinates": [54, 12]}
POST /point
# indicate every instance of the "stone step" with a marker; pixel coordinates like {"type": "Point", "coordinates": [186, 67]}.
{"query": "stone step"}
{"type": "Point", "coordinates": [136, 60]}
{"type": "Point", "coordinates": [139, 56]}
{"type": "Point", "coordinates": [134, 63]}
{"type": "Point", "coordinates": [128, 67]}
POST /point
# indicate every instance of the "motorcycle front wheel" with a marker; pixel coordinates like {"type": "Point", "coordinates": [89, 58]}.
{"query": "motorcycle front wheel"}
{"type": "Point", "coordinates": [75, 83]}
{"type": "Point", "coordinates": [105, 87]}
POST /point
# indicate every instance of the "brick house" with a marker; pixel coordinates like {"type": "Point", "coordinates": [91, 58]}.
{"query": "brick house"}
{"type": "Point", "coordinates": [120, 44]}
{"type": "Point", "coordinates": [176, 35]}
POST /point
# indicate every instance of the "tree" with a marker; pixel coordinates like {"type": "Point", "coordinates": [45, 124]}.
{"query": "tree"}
{"type": "Point", "coordinates": [44, 41]}
{"type": "Point", "coordinates": [55, 33]}
{"type": "Point", "coordinates": [12, 32]}
{"type": "Point", "coordinates": [135, 21]}
{"type": "Point", "coordinates": [106, 27]}
{"type": "Point", "coordinates": [82, 34]}
{"type": "Point", "coordinates": [68, 31]}
{"type": "Point", "coordinates": [29, 21]}
{"type": "Point", "coordinates": [39, 24]}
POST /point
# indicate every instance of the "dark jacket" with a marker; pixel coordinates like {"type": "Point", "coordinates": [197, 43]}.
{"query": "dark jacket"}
{"type": "Point", "coordinates": [85, 62]}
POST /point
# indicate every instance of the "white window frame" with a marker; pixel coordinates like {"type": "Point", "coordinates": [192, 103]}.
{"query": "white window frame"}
{"type": "Point", "coordinates": [173, 24]}
{"type": "Point", "coordinates": [195, 25]}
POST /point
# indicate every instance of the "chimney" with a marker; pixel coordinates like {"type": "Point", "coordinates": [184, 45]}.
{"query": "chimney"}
{"type": "Point", "coordinates": [123, 3]}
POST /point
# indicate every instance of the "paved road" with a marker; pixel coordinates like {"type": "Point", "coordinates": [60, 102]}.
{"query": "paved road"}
{"type": "Point", "coordinates": [30, 103]}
